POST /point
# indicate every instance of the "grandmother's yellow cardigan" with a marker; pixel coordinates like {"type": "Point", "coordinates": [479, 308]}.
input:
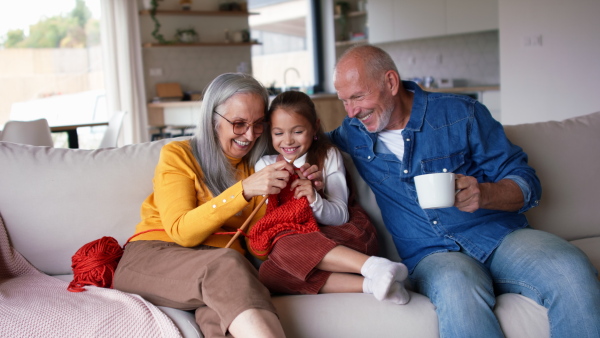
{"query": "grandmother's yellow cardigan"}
{"type": "Point", "coordinates": [182, 205]}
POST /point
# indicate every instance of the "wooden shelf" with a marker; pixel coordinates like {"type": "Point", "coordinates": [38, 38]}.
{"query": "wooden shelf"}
{"type": "Point", "coordinates": [199, 44]}
{"type": "Point", "coordinates": [351, 14]}
{"type": "Point", "coordinates": [350, 42]}
{"type": "Point", "coordinates": [197, 13]}
{"type": "Point", "coordinates": [174, 104]}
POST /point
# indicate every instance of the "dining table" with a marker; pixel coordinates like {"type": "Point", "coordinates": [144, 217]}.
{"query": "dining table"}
{"type": "Point", "coordinates": [71, 130]}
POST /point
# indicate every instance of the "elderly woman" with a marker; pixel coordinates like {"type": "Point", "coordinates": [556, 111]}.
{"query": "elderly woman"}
{"type": "Point", "coordinates": [204, 189]}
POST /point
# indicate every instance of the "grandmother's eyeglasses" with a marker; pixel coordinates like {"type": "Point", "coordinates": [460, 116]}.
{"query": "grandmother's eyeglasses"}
{"type": "Point", "coordinates": [240, 128]}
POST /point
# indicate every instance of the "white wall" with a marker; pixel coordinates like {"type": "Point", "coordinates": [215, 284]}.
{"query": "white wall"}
{"type": "Point", "coordinates": [560, 78]}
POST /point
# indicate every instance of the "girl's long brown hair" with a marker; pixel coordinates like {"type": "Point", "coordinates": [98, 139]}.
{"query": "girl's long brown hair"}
{"type": "Point", "coordinates": [300, 103]}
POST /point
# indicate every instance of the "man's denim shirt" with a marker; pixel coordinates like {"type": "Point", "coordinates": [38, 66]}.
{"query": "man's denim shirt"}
{"type": "Point", "coordinates": [445, 133]}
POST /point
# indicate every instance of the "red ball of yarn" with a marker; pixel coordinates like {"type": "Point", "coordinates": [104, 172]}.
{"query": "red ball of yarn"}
{"type": "Point", "coordinates": [95, 264]}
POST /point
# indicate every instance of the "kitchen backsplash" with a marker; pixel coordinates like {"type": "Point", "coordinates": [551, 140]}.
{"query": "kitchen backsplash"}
{"type": "Point", "coordinates": [472, 58]}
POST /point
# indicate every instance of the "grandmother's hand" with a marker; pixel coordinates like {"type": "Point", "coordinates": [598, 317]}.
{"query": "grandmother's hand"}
{"type": "Point", "coordinates": [270, 180]}
{"type": "Point", "coordinates": [312, 173]}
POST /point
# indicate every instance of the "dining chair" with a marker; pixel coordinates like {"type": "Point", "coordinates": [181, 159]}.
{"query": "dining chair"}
{"type": "Point", "coordinates": [111, 135]}
{"type": "Point", "coordinates": [35, 133]}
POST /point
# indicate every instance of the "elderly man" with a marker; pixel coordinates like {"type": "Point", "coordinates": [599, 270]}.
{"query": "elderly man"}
{"type": "Point", "coordinates": [460, 257]}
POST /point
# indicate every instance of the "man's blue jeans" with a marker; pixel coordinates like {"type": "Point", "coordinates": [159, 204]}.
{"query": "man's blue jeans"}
{"type": "Point", "coordinates": [536, 264]}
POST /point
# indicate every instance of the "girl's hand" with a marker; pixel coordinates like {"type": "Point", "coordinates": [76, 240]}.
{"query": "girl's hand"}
{"type": "Point", "coordinates": [312, 173]}
{"type": "Point", "coordinates": [304, 187]}
{"type": "Point", "coordinates": [270, 180]}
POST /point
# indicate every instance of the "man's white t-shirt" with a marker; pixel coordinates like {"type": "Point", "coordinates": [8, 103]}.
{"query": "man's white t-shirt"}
{"type": "Point", "coordinates": [393, 140]}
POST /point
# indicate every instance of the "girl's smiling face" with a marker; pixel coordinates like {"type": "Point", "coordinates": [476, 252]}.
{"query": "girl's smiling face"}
{"type": "Point", "coordinates": [292, 134]}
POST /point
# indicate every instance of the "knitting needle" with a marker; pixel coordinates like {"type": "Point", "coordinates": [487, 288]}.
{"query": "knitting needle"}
{"type": "Point", "coordinates": [243, 227]}
{"type": "Point", "coordinates": [260, 204]}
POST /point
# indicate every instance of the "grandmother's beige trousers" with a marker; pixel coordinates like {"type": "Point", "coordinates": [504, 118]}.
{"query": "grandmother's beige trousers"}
{"type": "Point", "coordinates": [217, 283]}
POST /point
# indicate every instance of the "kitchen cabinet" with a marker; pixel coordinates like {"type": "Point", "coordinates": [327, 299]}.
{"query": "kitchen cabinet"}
{"type": "Point", "coordinates": [397, 20]}
{"type": "Point", "coordinates": [415, 19]}
{"type": "Point", "coordinates": [381, 21]}
{"type": "Point", "coordinates": [466, 16]}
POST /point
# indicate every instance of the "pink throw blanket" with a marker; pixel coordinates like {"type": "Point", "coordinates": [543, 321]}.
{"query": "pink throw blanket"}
{"type": "Point", "coordinates": [33, 304]}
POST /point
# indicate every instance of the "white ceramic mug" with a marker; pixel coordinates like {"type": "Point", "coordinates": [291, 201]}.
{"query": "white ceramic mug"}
{"type": "Point", "coordinates": [436, 191]}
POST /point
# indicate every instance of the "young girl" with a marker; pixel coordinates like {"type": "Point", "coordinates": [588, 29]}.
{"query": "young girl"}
{"type": "Point", "coordinates": [336, 256]}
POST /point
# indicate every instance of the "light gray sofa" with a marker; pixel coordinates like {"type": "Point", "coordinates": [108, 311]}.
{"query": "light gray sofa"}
{"type": "Point", "coordinates": [55, 200]}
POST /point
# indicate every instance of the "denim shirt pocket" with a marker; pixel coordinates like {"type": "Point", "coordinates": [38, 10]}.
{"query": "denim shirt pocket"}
{"type": "Point", "coordinates": [374, 169]}
{"type": "Point", "coordinates": [447, 164]}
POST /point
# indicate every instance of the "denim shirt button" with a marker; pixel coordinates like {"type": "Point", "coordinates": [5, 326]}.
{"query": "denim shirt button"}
{"type": "Point", "coordinates": [369, 157]}
{"type": "Point", "coordinates": [434, 222]}
{"type": "Point", "coordinates": [407, 140]}
{"type": "Point", "coordinates": [405, 171]}
{"type": "Point", "coordinates": [445, 170]}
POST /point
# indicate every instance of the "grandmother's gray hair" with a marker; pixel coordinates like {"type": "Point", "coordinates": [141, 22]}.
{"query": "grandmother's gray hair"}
{"type": "Point", "coordinates": [219, 175]}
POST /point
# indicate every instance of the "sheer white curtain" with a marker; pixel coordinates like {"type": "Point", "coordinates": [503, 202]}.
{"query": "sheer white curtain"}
{"type": "Point", "coordinates": [122, 55]}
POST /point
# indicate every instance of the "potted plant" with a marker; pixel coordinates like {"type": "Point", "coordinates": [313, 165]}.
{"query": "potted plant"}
{"type": "Point", "coordinates": [187, 35]}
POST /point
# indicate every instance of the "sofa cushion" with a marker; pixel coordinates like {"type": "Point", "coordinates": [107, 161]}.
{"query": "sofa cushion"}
{"type": "Point", "coordinates": [55, 200]}
{"type": "Point", "coordinates": [565, 156]}
{"type": "Point", "coordinates": [366, 198]}
{"type": "Point", "coordinates": [591, 247]}
{"type": "Point", "coordinates": [355, 315]}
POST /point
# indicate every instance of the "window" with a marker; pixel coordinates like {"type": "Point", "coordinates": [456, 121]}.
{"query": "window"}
{"type": "Point", "coordinates": [285, 59]}
{"type": "Point", "coordinates": [51, 65]}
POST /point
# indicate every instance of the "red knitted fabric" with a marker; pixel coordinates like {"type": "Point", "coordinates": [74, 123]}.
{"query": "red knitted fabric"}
{"type": "Point", "coordinates": [285, 216]}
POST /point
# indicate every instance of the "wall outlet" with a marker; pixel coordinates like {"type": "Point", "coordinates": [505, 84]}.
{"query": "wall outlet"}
{"type": "Point", "coordinates": [532, 40]}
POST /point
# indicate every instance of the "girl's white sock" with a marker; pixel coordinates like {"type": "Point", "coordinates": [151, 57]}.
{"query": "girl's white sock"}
{"type": "Point", "coordinates": [382, 274]}
{"type": "Point", "coordinates": [396, 293]}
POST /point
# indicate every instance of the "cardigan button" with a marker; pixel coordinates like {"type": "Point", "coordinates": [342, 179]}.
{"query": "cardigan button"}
{"type": "Point", "coordinates": [214, 206]}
